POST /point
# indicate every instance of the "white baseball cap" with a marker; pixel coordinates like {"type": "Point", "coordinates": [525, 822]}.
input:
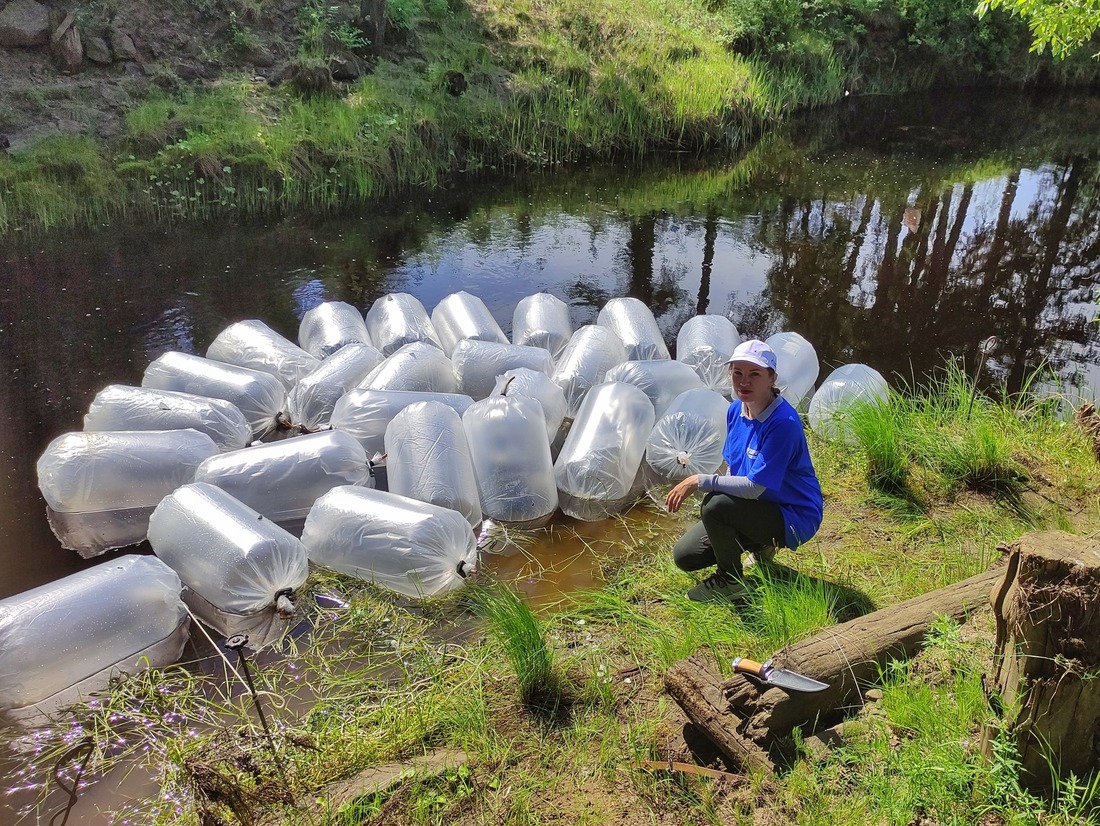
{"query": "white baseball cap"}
{"type": "Point", "coordinates": [755, 352]}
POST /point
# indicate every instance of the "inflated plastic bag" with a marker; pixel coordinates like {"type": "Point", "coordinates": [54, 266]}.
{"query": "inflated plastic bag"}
{"type": "Point", "coordinates": [428, 458]}
{"type": "Point", "coordinates": [419, 366]}
{"type": "Point", "coordinates": [364, 414]}
{"type": "Point", "coordinates": [798, 366]}
{"type": "Point", "coordinates": [542, 320]}
{"type": "Point", "coordinates": [282, 479]}
{"type": "Point", "coordinates": [460, 316]}
{"type": "Point", "coordinates": [83, 472]}
{"type": "Point", "coordinates": [848, 385]}
{"type": "Point", "coordinates": [310, 402]}
{"type": "Point", "coordinates": [689, 437]}
{"type": "Point", "coordinates": [706, 342]}
{"type": "Point", "coordinates": [254, 345]}
{"type": "Point", "coordinates": [122, 407]}
{"type": "Point", "coordinates": [64, 640]}
{"type": "Point", "coordinates": [515, 474]}
{"type": "Point", "coordinates": [598, 467]}
{"type": "Point", "coordinates": [240, 571]}
{"type": "Point", "coordinates": [397, 319]}
{"type": "Point", "coordinates": [662, 380]}
{"type": "Point", "coordinates": [258, 395]}
{"type": "Point", "coordinates": [477, 364]}
{"type": "Point", "coordinates": [411, 547]}
{"type": "Point", "coordinates": [538, 386]}
{"type": "Point", "coordinates": [591, 352]}
{"type": "Point", "coordinates": [329, 326]}
{"type": "Point", "coordinates": [637, 329]}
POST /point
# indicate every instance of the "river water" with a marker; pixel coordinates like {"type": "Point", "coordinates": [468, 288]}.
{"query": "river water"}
{"type": "Point", "coordinates": [897, 233]}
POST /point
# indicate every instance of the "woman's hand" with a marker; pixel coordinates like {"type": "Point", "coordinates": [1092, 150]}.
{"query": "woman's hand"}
{"type": "Point", "coordinates": [682, 491]}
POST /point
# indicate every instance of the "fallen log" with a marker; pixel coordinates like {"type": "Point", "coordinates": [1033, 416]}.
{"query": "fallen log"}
{"type": "Point", "coordinates": [747, 720]}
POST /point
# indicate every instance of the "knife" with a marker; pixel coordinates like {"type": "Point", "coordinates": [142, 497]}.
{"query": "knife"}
{"type": "Point", "coordinates": [767, 674]}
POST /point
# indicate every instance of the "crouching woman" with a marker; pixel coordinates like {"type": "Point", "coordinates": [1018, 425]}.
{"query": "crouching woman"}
{"type": "Point", "coordinates": [770, 498]}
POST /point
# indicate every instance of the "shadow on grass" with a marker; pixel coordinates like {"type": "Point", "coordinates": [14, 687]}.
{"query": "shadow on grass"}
{"type": "Point", "coordinates": [844, 602]}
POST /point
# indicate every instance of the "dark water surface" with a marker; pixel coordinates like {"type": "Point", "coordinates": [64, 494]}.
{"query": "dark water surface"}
{"type": "Point", "coordinates": [894, 233]}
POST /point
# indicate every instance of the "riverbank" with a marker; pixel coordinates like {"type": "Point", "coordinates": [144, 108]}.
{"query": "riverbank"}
{"type": "Point", "coordinates": [559, 716]}
{"type": "Point", "coordinates": [221, 109]}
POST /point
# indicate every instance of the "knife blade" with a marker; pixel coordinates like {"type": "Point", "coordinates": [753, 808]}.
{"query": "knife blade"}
{"type": "Point", "coordinates": [769, 675]}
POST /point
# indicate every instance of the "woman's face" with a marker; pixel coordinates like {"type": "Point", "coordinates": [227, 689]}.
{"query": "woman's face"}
{"type": "Point", "coordinates": [752, 384]}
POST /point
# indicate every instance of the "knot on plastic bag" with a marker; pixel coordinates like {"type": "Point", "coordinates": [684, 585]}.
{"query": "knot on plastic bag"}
{"type": "Point", "coordinates": [284, 603]}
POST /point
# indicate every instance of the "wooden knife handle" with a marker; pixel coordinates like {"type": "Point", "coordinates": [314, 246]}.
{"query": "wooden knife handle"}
{"type": "Point", "coordinates": [743, 665]}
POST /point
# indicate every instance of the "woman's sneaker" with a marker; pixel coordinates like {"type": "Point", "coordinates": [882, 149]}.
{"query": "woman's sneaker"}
{"type": "Point", "coordinates": [718, 587]}
{"type": "Point", "coordinates": [764, 556]}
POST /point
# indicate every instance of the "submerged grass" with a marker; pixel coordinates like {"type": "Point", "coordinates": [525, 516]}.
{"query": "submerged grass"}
{"type": "Point", "coordinates": [381, 679]}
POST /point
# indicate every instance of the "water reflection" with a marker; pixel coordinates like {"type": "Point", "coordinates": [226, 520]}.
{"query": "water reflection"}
{"type": "Point", "coordinates": [893, 233]}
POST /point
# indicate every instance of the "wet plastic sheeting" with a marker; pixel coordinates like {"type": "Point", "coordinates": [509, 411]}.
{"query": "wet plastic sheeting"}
{"type": "Point", "coordinates": [364, 414]}
{"type": "Point", "coordinates": [477, 364]}
{"type": "Point", "coordinates": [310, 402]}
{"type": "Point", "coordinates": [460, 316]}
{"type": "Point", "coordinates": [83, 472]}
{"type": "Point", "coordinates": [397, 319]}
{"type": "Point", "coordinates": [58, 634]}
{"type": "Point", "coordinates": [848, 385]}
{"type": "Point", "coordinates": [706, 342]}
{"type": "Point", "coordinates": [418, 366]}
{"type": "Point", "coordinates": [689, 437]}
{"type": "Point", "coordinates": [329, 326]}
{"type": "Point", "coordinates": [282, 479]}
{"type": "Point", "coordinates": [542, 320]}
{"type": "Point", "coordinates": [258, 395]}
{"type": "Point", "coordinates": [637, 329]}
{"type": "Point", "coordinates": [224, 551]}
{"type": "Point", "coordinates": [254, 345]}
{"type": "Point", "coordinates": [538, 386]}
{"type": "Point", "coordinates": [515, 474]}
{"type": "Point", "coordinates": [95, 532]}
{"type": "Point", "coordinates": [599, 462]}
{"type": "Point", "coordinates": [411, 547]}
{"type": "Point", "coordinates": [662, 380]}
{"type": "Point", "coordinates": [428, 458]}
{"type": "Point", "coordinates": [122, 407]}
{"type": "Point", "coordinates": [798, 366]}
{"type": "Point", "coordinates": [590, 353]}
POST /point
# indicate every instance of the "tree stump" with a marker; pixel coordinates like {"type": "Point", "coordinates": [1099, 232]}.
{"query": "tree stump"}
{"type": "Point", "coordinates": [1047, 656]}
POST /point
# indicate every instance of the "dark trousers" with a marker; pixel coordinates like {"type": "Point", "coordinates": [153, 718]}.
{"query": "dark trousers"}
{"type": "Point", "coordinates": [729, 527]}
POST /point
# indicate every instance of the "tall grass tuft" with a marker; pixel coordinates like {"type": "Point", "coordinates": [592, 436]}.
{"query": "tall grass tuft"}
{"type": "Point", "coordinates": [515, 627]}
{"type": "Point", "coordinates": [879, 428]}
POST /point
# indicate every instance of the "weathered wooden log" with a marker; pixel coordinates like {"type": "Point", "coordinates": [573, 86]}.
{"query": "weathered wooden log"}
{"type": "Point", "coordinates": [1047, 655]}
{"type": "Point", "coordinates": [745, 720]}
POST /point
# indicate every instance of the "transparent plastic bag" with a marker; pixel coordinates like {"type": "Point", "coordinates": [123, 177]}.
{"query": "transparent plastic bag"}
{"type": "Point", "coordinates": [254, 345]}
{"type": "Point", "coordinates": [90, 472]}
{"type": "Point", "coordinates": [538, 386]}
{"type": "Point", "coordinates": [846, 386]}
{"type": "Point", "coordinates": [598, 466]}
{"type": "Point", "coordinates": [428, 458]}
{"type": "Point", "coordinates": [591, 352]}
{"type": "Point", "coordinates": [634, 324]}
{"type": "Point", "coordinates": [542, 320]}
{"type": "Point", "coordinates": [662, 380]}
{"type": "Point", "coordinates": [419, 366]}
{"type": "Point", "coordinates": [477, 364]}
{"type": "Point", "coordinates": [364, 414]}
{"type": "Point", "coordinates": [282, 479]}
{"type": "Point", "coordinates": [706, 342]}
{"type": "Point", "coordinates": [258, 395]}
{"type": "Point", "coordinates": [397, 319]}
{"type": "Point", "coordinates": [515, 474]}
{"type": "Point", "coordinates": [461, 316]}
{"type": "Point", "coordinates": [411, 547]}
{"type": "Point", "coordinates": [223, 551]}
{"type": "Point", "coordinates": [797, 368]}
{"type": "Point", "coordinates": [689, 437]}
{"type": "Point", "coordinates": [329, 326]}
{"type": "Point", "coordinates": [311, 401]}
{"type": "Point", "coordinates": [121, 407]}
{"type": "Point", "coordinates": [58, 634]}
